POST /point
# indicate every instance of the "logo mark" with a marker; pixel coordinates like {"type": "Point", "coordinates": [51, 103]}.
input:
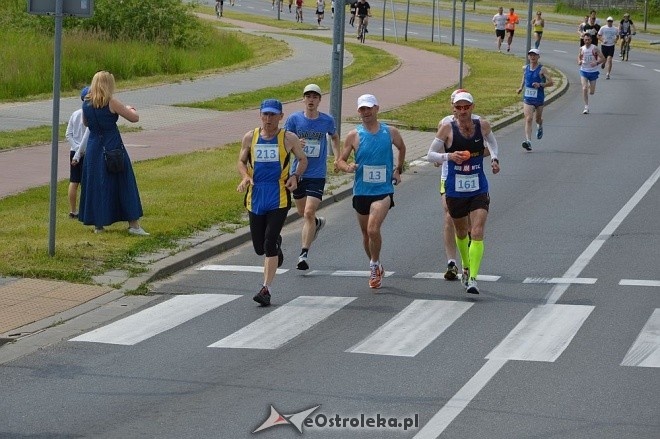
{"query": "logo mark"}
{"type": "Point", "coordinates": [295, 419]}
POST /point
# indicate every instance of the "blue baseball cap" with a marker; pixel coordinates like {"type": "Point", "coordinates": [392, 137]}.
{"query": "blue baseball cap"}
{"type": "Point", "coordinates": [271, 106]}
{"type": "Point", "coordinates": [84, 92]}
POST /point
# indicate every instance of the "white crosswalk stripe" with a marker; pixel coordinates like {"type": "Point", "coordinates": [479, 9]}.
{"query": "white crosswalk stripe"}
{"type": "Point", "coordinates": [285, 323]}
{"type": "Point", "coordinates": [543, 334]}
{"type": "Point", "coordinates": [156, 319]}
{"type": "Point", "coordinates": [645, 351]}
{"type": "Point", "coordinates": [412, 329]}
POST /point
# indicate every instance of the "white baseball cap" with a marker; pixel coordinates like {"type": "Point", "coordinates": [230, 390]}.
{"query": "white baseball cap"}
{"type": "Point", "coordinates": [535, 51]}
{"type": "Point", "coordinates": [455, 92]}
{"type": "Point", "coordinates": [367, 101]}
{"type": "Point", "coordinates": [463, 96]}
{"type": "Point", "coordinates": [610, 19]}
{"type": "Point", "coordinates": [312, 88]}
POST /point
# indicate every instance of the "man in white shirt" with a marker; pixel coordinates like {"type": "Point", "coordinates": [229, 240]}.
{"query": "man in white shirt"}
{"type": "Point", "coordinates": [499, 20]}
{"type": "Point", "coordinates": [608, 36]}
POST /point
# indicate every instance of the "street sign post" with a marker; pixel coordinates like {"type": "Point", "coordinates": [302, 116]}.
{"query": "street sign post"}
{"type": "Point", "coordinates": [74, 8]}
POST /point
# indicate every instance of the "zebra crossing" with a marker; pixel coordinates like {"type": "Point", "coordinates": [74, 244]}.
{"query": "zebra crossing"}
{"type": "Point", "coordinates": [542, 335]}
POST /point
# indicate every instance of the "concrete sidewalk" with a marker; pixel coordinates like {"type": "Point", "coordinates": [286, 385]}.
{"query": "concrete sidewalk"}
{"type": "Point", "coordinates": [28, 306]}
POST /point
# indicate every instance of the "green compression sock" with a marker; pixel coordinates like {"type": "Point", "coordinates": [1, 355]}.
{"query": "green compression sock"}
{"type": "Point", "coordinates": [476, 253]}
{"type": "Point", "coordinates": [463, 249]}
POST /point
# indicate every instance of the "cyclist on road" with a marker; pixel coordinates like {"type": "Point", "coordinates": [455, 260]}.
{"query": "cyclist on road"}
{"type": "Point", "coordinates": [363, 11]}
{"type": "Point", "coordinates": [626, 28]}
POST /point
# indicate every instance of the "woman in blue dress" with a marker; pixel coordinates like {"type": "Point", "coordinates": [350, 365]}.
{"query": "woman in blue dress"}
{"type": "Point", "coordinates": [107, 197]}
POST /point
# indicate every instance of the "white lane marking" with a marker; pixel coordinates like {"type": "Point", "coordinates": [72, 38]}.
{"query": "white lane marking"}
{"type": "Point", "coordinates": [583, 260]}
{"type": "Point", "coordinates": [560, 51]}
{"type": "Point", "coordinates": [640, 283]}
{"type": "Point", "coordinates": [285, 323]}
{"type": "Point", "coordinates": [344, 273]}
{"type": "Point", "coordinates": [242, 268]}
{"type": "Point", "coordinates": [560, 280]}
{"type": "Point", "coordinates": [156, 319]}
{"type": "Point", "coordinates": [636, 65]}
{"type": "Point", "coordinates": [657, 70]}
{"type": "Point", "coordinates": [412, 329]}
{"type": "Point", "coordinates": [645, 352]}
{"type": "Point", "coordinates": [480, 277]}
{"type": "Point", "coordinates": [543, 334]}
{"type": "Point", "coordinates": [459, 401]}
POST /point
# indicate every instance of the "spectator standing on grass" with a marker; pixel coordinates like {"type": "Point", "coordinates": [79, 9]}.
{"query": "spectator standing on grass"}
{"type": "Point", "coordinates": [75, 132]}
{"type": "Point", "coordinates": [105, 197]}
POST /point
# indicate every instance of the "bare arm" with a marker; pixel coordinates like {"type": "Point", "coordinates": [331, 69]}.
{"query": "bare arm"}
{"type": "Point", "coordinates": [548, 79]}
{"type": "Point", "coordinates": [399, 144]}
{"type": "Point", "coordinates": [243, 156]}
{"type": "Point", "coordinates": [292, 144]}
{"type": "Point", "coordinates": [335, 149]}
{"type": "Point", "coordinates": [350, 144]}
{"type": "Point", "coordinates": [126, 111]}
{"type": "Point", "coordinates": [486, 130]}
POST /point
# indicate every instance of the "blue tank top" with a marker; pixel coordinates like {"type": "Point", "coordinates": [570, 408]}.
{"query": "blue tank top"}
{"type": "Point", "coordinates": [531, 95]}
{"type": "Point", "coordinates": [375, 161]}
{"type": "Point", "coordinates": [269, 162]}
{"type": "Point", "coordinates": [315, 132]}
{"type": "Point", "coordinates": [467, 179]}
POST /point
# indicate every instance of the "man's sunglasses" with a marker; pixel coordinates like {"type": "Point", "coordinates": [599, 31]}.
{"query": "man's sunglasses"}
{"type": "Point", "coordinates": [463, 107]}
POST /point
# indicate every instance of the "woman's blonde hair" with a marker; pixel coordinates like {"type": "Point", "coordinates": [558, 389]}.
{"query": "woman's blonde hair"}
{"type": "Point", "coordinates": [102, 88]}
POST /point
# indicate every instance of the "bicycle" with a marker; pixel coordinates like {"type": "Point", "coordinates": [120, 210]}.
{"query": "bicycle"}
{"type": "Point", "coordinates": [625, 47]}
{"type": "Point", "coordinates": [362, 31]}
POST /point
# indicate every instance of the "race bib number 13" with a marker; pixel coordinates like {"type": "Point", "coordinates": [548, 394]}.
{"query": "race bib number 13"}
{"type": "Point", "coordinates": [374, 174]}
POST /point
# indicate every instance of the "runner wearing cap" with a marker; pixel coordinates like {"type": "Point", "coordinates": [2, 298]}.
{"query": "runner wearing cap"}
{"type": "Point", "coordinates": [375, 177]}
{"type": "Point", "coordinates": [608, 36]}
{"type": "Point", "coordinates": [534, 80]}
{"type": "Point", "coordinates": [313, 129]}
{"type": "Point", "coordinates": [467, 187]}
{"type": "Point", "coordinates": [263, 163]}
{"type": "Point", "coordinates": [438, 157]}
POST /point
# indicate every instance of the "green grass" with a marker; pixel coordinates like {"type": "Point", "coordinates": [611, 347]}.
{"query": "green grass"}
{"type": "Point", "coordinates": [368, 63]}
{"type": "Point", "coordinates": [204, 195]}
{"type": "Point", "coordinates": [41, 135]}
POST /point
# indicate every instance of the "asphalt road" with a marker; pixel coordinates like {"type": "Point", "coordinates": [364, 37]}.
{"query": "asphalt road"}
{"type": "Point", "coordinates": [562, 342]}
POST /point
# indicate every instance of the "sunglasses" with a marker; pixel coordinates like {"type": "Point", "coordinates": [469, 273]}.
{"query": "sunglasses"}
{"type": "Point", "coordinates": [462, 107]}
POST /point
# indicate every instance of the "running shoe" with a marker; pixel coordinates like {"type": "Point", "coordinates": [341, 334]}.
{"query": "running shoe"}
{"type": "Point", "coordinates": [465, 277]}
{"type": "Point", "coordinates": [302, 262]}
{"type": "Point", "coordinates": [471, 287]}
{"type": "Point", "coordinates": [376, 278]}
{"type": "Point", "coordinates": [586, 110]}
{"type": "Point", "coordinates": [452, 272]}
{"type": "Point", "coordinates": [527, 145]}
{"type": "Point", "coordinates": [280, 255]}
{"type": "Point", "coordinates": [607, 76]}
{"type": "Point", "coordinates": [320, 224]}
{"type": "Point", "coordinates": [539, 132]}
{"type": "Point", "coordinates": [602, 66]}
{"type": "Point", "coordinates": [263, 296]}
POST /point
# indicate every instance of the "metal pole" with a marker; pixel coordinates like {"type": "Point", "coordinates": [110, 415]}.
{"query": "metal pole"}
{"type": "Point", "coordinates": [407, 17]}
{"type": "Point", "coordinates": [646, 13]}
{"type": "Point", "coordinates": [460, 70]}
{"type": "Point", "coordinates": [59, 6]}
{"type": "Point", "coordinates": [433, 21]}
{"type": "Point", "coordinates": [337, 67]}
{"type": "Point", "coordinates": [530, 11]}
{"type": "Point", "coordinates": [453, 23]}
